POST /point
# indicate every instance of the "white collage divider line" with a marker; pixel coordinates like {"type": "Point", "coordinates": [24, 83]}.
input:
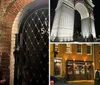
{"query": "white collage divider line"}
{"type": "Point", "coordinates": [49, 41]}
{"type": "Point", "coordinates": [74, 42]}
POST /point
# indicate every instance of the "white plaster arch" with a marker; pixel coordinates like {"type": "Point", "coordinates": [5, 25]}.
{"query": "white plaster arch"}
{"type": "Point", "coordinates": [87, 19]}
{"type": "Point", "coordinates": [81, 8]}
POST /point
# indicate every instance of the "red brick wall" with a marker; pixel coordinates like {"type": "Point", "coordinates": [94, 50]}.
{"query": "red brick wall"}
{"type": "Point", "coordinates": [11, 13]}
{"type": "Point", "coordinates": [8, 21]}
{"type": "Point", "coordinates": [5, 63]}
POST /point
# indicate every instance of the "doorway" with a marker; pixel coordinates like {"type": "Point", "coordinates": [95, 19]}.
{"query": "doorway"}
{"type": "Point", "coordinates": [31, 48]}
{"type": "Point", "coordinates": [58, 67]}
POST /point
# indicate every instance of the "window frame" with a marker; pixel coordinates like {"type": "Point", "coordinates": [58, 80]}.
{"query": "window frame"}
{"type": "Point", "coordinates": [90, 49]}
{"type": "Point", "coordinates": [81, 49]}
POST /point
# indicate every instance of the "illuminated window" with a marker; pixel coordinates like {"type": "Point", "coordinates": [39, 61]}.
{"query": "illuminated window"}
{"type": "Point", "coordinates": [79, 48]}
{"type": "Point", "coordinates": [68, 48]}
{"type": "Point", "coordinates": [89, 49]}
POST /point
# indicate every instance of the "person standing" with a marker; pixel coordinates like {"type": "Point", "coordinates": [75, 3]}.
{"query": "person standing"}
{"type": "Point", "coordinates": [97, 78]}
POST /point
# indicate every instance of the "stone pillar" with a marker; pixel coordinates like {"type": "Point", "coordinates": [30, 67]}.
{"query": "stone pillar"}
{"type": "Point", "coordinates": [93, 32]}
{"type": "Point", "coordinates": [55, 24]}
{"type": "Point", "coordinates": [63, 25]}
{"type": "Point", "coordinates": [88, 27]}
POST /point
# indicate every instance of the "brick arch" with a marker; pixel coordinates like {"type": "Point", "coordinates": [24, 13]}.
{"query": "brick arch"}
{"type": "Point", "coordinates": [9, 18]}
{"type": "Point", "coordinates": [11, 13]}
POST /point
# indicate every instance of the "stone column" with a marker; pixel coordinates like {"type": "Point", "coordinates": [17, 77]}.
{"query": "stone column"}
{"type": "Point", "coordinates": [55, 24]}
{"type": "Point", "coordinates": [88, 27]}
{"type": "Point", "coordinates": [93, 31]}
{"type": "Point", "coordinates": [63, 25]}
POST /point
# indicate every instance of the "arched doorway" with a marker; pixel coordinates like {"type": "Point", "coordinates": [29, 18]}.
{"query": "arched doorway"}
{"type": "Point", "coordinates": [87, 21]}
{"type": "Point", "coordinates": [31, 46]}
{"type": "Point", "coordinates": [84, 13]}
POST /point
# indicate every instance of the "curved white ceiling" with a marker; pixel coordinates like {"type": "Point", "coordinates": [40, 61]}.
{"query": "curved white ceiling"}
{"type": "Point", "coordinates": [82, 10]}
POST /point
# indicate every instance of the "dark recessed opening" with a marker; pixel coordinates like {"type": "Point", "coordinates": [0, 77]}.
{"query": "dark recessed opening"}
{"type": "Point", "coordinates": [77, 22]}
